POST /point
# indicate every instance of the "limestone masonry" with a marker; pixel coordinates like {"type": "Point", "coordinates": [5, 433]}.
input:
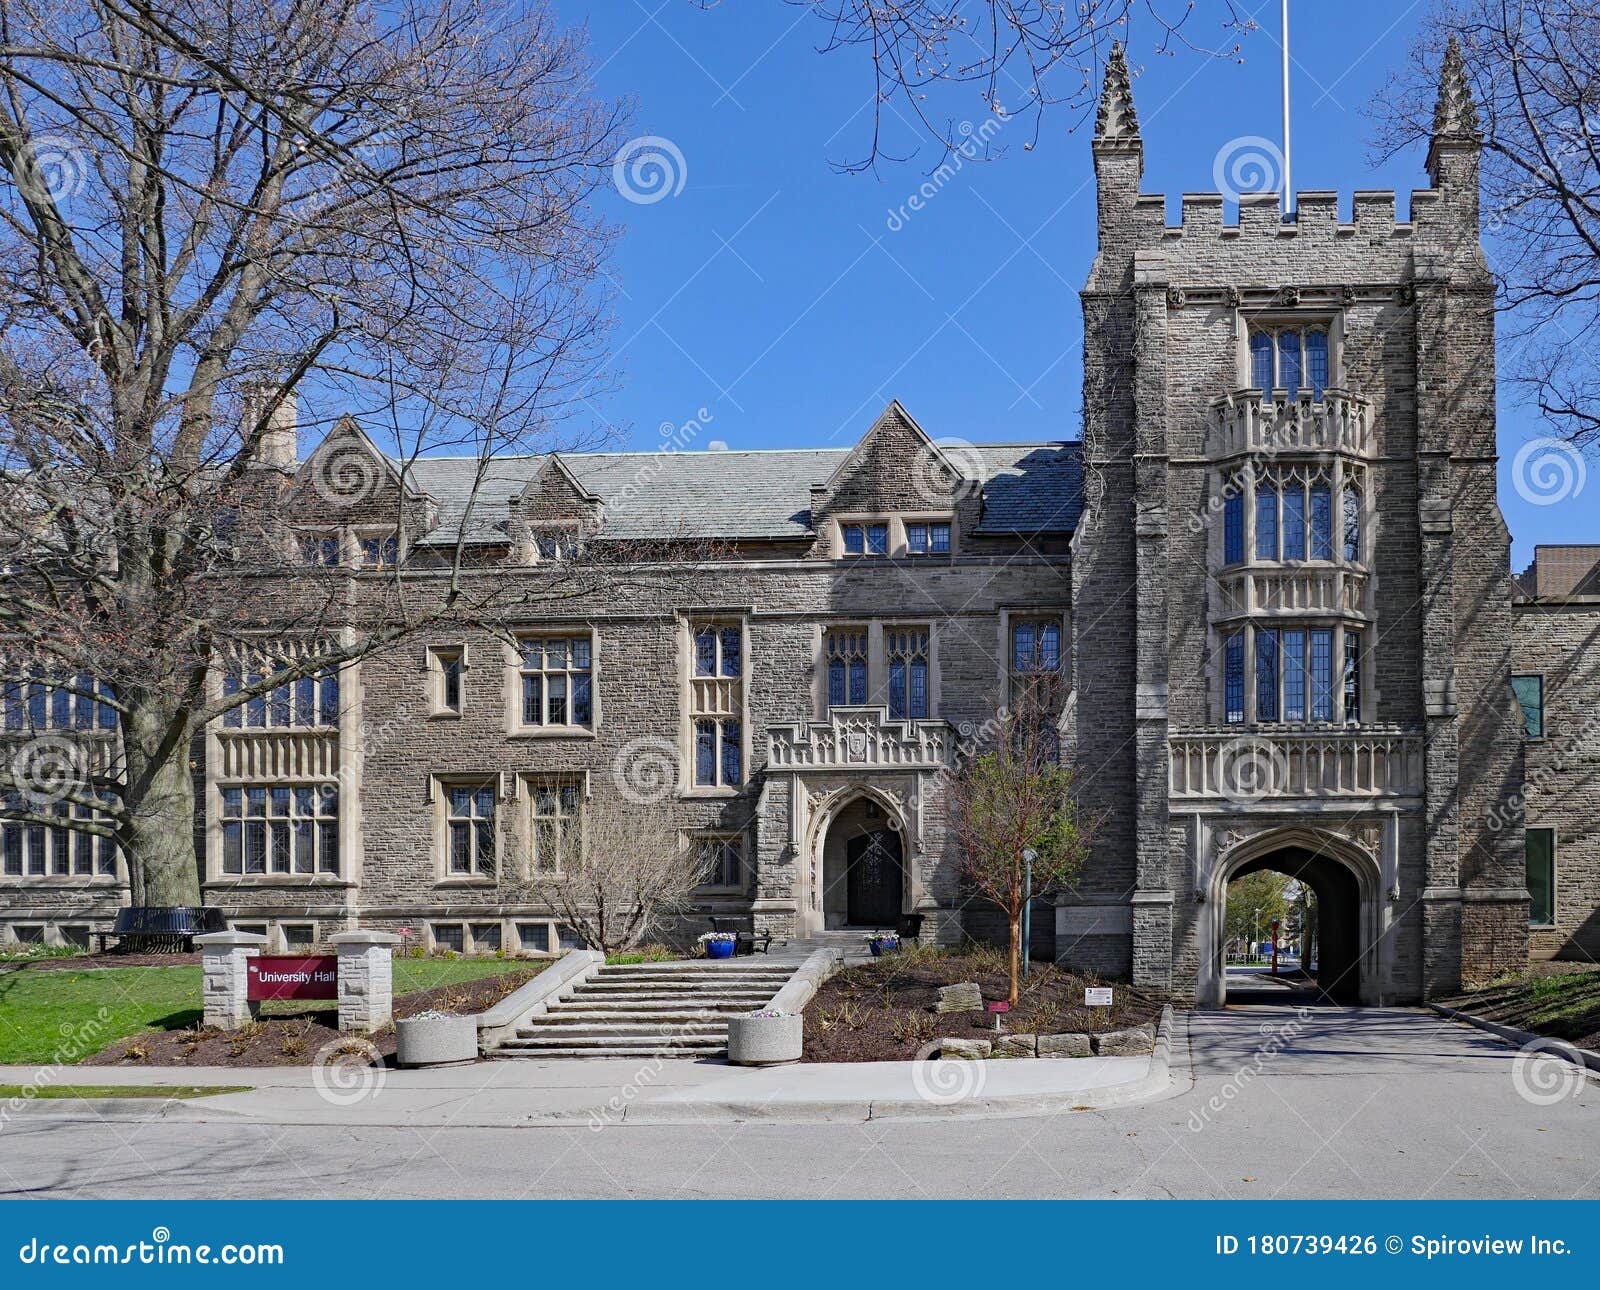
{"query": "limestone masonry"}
{"type": "Point", "coordinates": [1272, 579]}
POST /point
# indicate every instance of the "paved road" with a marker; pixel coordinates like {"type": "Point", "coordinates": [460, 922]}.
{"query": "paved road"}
{"type": "Point", "coordinates": [1318, 1103]}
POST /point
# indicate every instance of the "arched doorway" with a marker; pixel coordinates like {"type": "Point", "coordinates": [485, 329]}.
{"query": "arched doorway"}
{"type": "Point", "coordinates": [1349, 930]}
{"type": "Point", "coordinates": [863, 867]}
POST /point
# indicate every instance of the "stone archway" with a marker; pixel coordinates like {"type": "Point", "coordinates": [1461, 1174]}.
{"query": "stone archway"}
{"type": "Point", "coordinates": [1352, 915]}
{"type": "Point", "coordinates": [863, 853]}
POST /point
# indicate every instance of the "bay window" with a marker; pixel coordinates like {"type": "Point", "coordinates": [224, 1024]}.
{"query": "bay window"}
{"type": "Point", "coordinates": [1290, 357]}
{"type": "Point", "coordinates": [1293, 669]}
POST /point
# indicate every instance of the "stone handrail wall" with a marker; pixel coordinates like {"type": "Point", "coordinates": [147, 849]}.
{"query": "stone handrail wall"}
{"type": "Point", "coordinates": [1264, 422]}
{"type": "Point", "coordinates": [1264, 764]}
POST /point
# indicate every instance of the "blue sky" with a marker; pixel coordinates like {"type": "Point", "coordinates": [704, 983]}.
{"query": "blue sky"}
{"type": "Point", "coordinates": [790, 302]}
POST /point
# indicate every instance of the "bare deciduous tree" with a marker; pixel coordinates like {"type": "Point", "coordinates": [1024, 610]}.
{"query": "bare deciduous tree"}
{"type": "Point", "coordinates": [614, 873]}
{"type": "Point", "coordinates": [1534, 70]}
{"type": "Point", "coordinates": [1015, 57]}
{"type": "Point", "coordinates": [374, 209]}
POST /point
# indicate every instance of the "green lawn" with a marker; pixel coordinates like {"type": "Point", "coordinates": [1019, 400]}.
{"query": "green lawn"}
{"type": "Point", "coordinates": [63, 1016]}
{"type": "Point", "coordinates": [1561, 1000]}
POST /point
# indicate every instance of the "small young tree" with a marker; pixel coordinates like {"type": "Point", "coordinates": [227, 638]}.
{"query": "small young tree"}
{"type": "Point", "coordinates": [1014, 799]}
{"type": "Point", "coordinates": [612, 871]}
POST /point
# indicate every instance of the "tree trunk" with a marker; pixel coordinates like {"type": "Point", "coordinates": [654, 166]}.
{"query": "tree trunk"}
{"type": "Point", "coordinates": [157, 835]}
{"type": "Point", "coordinates": [1014, 927]}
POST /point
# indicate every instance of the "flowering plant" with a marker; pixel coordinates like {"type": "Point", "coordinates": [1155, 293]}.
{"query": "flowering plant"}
{"type": "Point", "coordinates": [723, 938]}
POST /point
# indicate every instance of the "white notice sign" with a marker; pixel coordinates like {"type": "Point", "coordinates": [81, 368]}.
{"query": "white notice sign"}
{"type": "Point", "coordinates": [1098, 996]}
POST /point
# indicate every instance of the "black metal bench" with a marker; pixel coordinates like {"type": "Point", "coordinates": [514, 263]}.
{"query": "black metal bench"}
{"type": "Point", "coordinates": [162, 929]}
{"type": "Point", "coordinates": [909, 928]}
{"type": "Point", "coordinates": [743, 927]}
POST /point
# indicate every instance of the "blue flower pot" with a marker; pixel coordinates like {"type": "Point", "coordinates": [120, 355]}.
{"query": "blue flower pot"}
{"type": "Point", "coordinates": [881, 945]}
{"type": "Point", "coordinates": [719, 949]}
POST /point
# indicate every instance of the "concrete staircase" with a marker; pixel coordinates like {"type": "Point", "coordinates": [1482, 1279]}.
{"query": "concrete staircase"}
{"type": "Point", "coordinates": [677, 1009]}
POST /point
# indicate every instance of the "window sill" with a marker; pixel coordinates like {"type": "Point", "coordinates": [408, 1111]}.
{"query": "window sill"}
{"type": "Point", "coordinates": [713, 793]}
{"type": "Point", "coordinates": [551, 732]}
{"type": "Point", "coordinates": [443, 715]}
{"type": "Point", "coordinates": [61, 880]}
{"type": "Point", "coordinates": [300, 880]}
{"type": "Point", "coordinates": [464, 881]}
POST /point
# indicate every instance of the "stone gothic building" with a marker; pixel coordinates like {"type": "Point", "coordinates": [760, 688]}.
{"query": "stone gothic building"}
{"type": "Point", "coordinates": [1272, 576]}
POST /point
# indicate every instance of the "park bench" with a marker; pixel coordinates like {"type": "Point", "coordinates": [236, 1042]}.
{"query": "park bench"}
{"type": "Point", "coordinates": [162, 928]}
{"type": "Point", "coordinates": [743, 927]}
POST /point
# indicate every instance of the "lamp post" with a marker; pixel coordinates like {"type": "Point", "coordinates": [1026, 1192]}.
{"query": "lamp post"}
{"type": "Point", "coordinates": [1028, 857]}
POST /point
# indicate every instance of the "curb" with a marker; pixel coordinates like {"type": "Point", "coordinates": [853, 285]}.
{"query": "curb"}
{"type": "Point", "coordinates": [1155, 1081]}
{"type": "Point", "coordinates": [1548, 1044]}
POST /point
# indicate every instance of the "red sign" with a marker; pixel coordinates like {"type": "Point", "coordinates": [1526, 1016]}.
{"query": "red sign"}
{"type": "Point", "coordinates": [292, 977]}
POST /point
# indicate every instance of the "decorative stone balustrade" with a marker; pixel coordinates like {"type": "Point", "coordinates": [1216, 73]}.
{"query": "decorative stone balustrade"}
{"type": "Point", "coordinates": [1291, 590]}
{"type": "Point", "coordinates": [1263, 764]}
{"type": "Point", "coordinates": [1262, 423]}
{"type": "Point", "coordinates": [852, 738]}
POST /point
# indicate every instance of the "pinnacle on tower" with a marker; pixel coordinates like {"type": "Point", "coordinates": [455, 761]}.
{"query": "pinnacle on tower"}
{"type": "Point", "coordinates": [1453, 152]}
{"type": "Point", "coordinates": [1455, 117]}
{"type": "Point", "coordinates": [1117, 123]}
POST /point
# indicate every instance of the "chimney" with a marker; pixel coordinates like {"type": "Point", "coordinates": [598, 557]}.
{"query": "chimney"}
{"type": "Point", "coordinates": [279, 445]}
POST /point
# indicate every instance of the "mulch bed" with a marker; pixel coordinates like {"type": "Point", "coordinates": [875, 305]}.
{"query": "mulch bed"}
{"type": "Point", "coordinates": [1563, 1009]}
{"type": "Point", "coordinates": [883, 1011]}
{"type": "Point", "coordinates": [295, 1038]}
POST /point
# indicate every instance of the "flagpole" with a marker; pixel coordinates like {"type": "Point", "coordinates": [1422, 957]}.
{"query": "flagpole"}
{"type": "Point", "coordinates": [1288, 183]}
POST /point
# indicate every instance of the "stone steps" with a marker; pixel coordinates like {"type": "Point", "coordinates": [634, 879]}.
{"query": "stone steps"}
{"type": "Point", "coordinates": [649, 1009]}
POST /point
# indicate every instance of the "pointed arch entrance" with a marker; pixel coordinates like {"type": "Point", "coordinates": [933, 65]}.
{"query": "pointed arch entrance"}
{"type": "Point", "coordinates": [862, 844]}
{"type": "Point", "coordinates": [1351, 916]}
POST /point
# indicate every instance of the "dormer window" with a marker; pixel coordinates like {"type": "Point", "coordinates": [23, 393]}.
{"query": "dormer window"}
{"type": "Point", "coordinates": [1291, 357]}
{"type": "Point", "coordinates": [931, 538]}
{"type": "Point", "coordinates": [378, 550]}
{"type": "Point", "coordinates": [870, 538]}
{"type": "Point", "coordinates": [319, 550]}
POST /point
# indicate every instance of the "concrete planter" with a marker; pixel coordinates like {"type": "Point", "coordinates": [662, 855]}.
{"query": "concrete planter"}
{"type": "Point", "coordinates": [435, 1040]}
{"type": "Point", "coordinates": [765, 1041]}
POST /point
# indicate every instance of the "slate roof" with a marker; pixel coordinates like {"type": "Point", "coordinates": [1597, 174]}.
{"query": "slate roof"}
{"type": "Point", "coordinates": [1031, 488]}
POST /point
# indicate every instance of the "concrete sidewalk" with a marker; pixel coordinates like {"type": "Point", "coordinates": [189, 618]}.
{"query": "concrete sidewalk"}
{"type": "Point", "coordinates": [525, 1093]}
